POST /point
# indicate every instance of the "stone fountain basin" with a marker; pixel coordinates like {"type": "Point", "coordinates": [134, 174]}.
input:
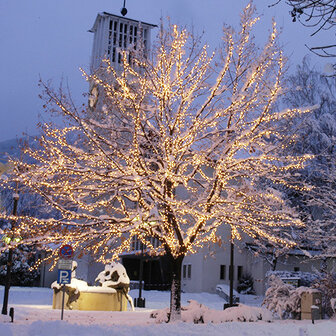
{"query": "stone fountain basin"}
{"type": "Point", "coordinates": [90, 298]}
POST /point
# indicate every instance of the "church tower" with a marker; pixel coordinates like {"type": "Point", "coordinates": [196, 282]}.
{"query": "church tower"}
{"type": "Point", "coordinates": [113, 34]}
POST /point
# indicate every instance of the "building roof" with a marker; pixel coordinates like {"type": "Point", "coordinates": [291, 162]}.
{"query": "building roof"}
{"type": "Point", "coordinates": [118, 17]}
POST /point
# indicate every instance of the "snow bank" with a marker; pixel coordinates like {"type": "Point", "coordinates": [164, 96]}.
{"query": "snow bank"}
{"type": "Point", "coordinates": [41, 320]}
{"type": "Point", "coordinates": [199, 313]}
{"type": "Point", "coordinates": [65, 328]}
{"type": "Point", "coordinates": [4, 319]}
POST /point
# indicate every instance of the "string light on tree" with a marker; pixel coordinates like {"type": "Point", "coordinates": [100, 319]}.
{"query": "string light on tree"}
{"type": "Point", "coordinates": [172, 155]}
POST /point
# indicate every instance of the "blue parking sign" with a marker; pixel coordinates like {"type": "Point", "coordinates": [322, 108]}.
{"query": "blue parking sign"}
{"type": "Point", "coordinates": [64, 277]}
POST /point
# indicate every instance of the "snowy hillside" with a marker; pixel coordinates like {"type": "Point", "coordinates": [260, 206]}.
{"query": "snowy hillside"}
{"type": "Point", "coordinates": [8, 147]}
{"type": "Point", "coordinates": [12, 148]}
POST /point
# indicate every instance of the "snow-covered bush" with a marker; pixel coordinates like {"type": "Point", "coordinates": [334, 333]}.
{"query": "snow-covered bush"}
{"type": "Point", "coordinates": [326, 283]}
{"type": "Point", "coordinates": [283, 299]}
{"type": "Point", "coordinates": [198, 313]}
{"type": "Point", "coordinates": [245, 285]}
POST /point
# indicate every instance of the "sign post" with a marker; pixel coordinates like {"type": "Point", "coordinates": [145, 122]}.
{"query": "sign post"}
{"type": "Point", "coordinates": [64, 278]}
{"type": "Point", "coordinates": [64, 270]}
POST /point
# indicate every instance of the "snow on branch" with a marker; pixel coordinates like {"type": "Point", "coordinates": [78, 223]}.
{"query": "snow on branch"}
{"type": "Point", "coordinates": [176, 147]}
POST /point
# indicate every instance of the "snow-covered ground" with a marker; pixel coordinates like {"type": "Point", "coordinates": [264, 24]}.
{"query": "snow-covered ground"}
{"type": "Point", "coordinates": [34, 317]}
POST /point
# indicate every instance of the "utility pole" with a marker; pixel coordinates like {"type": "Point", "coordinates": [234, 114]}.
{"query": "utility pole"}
{"type": "Point", "coordinates": [10, 260]}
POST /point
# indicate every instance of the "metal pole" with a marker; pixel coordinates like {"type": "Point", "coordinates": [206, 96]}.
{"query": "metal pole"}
{"type": "Point", "coordinates": [140, 277]}
{"type": "Point", "coordinates": [231, 272]}
{"type": "Point", "coordinates": [63, 302]}
{"type": "Point", "coordinates": [9, 263]}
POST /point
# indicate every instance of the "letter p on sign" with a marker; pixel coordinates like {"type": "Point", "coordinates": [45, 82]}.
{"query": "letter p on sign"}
{"type": "Point", "coordinates": [64, 277]}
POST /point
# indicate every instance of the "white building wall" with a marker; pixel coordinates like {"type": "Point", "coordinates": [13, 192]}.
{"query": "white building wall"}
{"type": "Point", "coordinates": [195, 282]}
{"type": "Point", "coordinates": [206, 266]}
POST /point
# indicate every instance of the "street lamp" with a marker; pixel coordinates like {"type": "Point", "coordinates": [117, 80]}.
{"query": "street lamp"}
{"type": "Point", "coordinates": [10, 258]}
{"type": "Point", "coordinates": [231, 275]}
{"type": "Point", "coordinates": [123, 10]}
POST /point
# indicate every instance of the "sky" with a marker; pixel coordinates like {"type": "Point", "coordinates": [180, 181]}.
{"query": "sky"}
{"type": "Point", "coordinates": [49, 39]}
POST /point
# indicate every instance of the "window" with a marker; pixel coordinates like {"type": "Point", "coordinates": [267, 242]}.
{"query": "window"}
{"type": "Point", "coordinates": [222, 272]}
{"type": "Point", "coordinates": [296, 269]}
{"type": "Point", "coordinates": [186, 271]}
{"type": "Point", "coordinates": [189, 271]}
{"type": "Point", "coordinates": [239, 272]}
{"type": "Point", "coordinates": [120, 37]}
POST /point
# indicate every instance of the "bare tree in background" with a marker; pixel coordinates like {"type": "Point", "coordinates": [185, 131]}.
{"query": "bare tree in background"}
{"type": "Point", "coordinates": [319, 14]}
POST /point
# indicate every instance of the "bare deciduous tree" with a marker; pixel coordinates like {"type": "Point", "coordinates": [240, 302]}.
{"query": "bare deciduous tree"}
{"type": "Point", "coordinates": [319, 14]}
{"type": "Point", "coordinates": [177, 150]}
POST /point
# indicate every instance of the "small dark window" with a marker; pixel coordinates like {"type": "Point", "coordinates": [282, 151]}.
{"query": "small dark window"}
{"type": "Point", "coordinates": [222, 272]}
{"type": "Point", "coordinates": [296, 269]}
{"type": "Point", "coordinates": [189, 271]}
{"type": "Point", "coordinates": [239, 272]}
{"type": "Point", "coordinates": [186, 271]}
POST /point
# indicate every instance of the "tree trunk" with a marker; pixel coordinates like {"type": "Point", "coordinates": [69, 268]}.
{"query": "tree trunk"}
{"type": "Point", "coordinates": [175, 292]}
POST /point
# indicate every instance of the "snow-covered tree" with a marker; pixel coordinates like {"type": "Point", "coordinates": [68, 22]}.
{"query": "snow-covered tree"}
{"type": "Point", "coordinates": [315, 135]}
{"type": "Point", "coordinates": [326, 283]}
{"type": "Point", "coordinates": [177, 150]}
{"type": "Point", "coordinates": [22, 271]}
{"type": "Point", "coordinates": [284, 299]}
